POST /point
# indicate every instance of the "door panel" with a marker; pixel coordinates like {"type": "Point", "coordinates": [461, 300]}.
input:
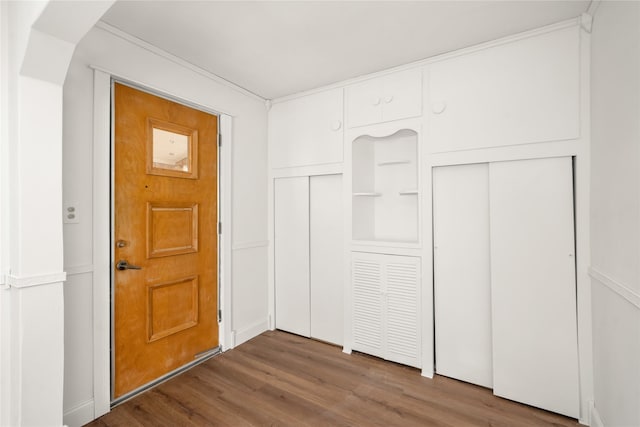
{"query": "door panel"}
{"type": "Point", "coordinates": [533, 283]}
{"type": "Point", "coordinates": [291, 200]}
{"type": "Point", "coordinates": [165, 222]}
{"type": "Point", "coordinates": [515, 93]}
{"type": "Point", "coordinates": [307, 130]}
{"type": "Point", "coordinates": [462, 275]}
{"type": "Point", "coordinates": [327, 258]}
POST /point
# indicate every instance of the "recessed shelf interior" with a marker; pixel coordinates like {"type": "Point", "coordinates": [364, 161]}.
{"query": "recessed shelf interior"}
{"type": "Point", "coordinates": [381, 210]}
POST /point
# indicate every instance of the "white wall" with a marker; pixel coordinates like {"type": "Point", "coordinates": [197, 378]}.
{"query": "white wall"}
{"type": "Point", "coordinates": [615, 212]}
{"type": "Point", "coordinates": [36, 51]}
{"type": "Point", "coordinates": [122, 58]}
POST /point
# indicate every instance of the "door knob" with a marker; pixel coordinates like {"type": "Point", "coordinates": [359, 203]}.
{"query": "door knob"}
{"type": "Point", "coordinates": [124, 265]}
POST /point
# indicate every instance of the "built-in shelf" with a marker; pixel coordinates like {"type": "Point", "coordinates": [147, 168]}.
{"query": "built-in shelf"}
{"type": "Point", "coordinates": [394, 162]}
{"type": "Point", "coordinates": [367, 194]}
{"type": "Point", "coordinates": [385, 214]}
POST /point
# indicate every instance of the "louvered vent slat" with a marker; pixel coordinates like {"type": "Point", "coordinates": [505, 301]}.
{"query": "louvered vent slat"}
{"type": "Point", "coordinates": [402, 311]}
{"type": "Point", "coordinates": [367, 322]}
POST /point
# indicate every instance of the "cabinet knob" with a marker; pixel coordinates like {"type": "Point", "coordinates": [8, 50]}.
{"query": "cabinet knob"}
{"type": "Point", "coordinates": [438, 107]}
{"type": "Point", "coordinates": [336, 125]}
{"type": "Point", "coordinates": [388, 99]}
{"type": "Point", "coordinates": [376, 101]}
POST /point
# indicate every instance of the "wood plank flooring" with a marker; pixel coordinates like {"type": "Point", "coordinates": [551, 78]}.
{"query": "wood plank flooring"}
{"type": "Point", "coordinates": [279, 379]}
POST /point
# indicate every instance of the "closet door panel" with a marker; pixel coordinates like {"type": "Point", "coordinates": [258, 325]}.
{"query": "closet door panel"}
{"type": "Point", "coordinates": [533, 283]}
{"type": "Point", "coordinates": [462, 276]}
{"type": "Point", "coordinates": [327, 258]}
{"type": "Point", "coordinates": [291, 241]}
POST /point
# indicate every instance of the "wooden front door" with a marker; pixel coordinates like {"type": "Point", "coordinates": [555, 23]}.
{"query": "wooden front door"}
{"type": "Point", "coordinates": [165, 224]}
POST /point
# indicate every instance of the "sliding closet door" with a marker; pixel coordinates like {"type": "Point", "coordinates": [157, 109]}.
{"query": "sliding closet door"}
{"type": "Point", "coordinates": [291, 242]}
{"type": "Point", "coordinates": [327, 258]}
{"type": "Point", "coordinates": [533, 283]}
{"type": "Point", "coordinates": [462, 277]}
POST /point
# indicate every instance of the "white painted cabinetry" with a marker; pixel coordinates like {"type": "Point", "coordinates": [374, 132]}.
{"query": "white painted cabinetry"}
{"type": "Point", "coordinates": [385, 196]}
{"type": "Point", "coordinates": [515, 93]}
{"type": "Point", "coordinates": [462, 273]}
{"type": "Point", "coordinates": [533, 283]}
{"type": "Point", "coordinates": [384, 191]}
{"type": "Point", "coordinates": [326, 231]}
{"type": "Point", "coordinates": [307, 131]}
{"type": "Point", "coordinates": [391, 97]}
{"type": "Point", "coordinates": [386, 306]}
{"type": "Point", "coordinates": [505, 284]}
{"type": "Point", "coordinates": [291, 253]}
{"type": "Point", "coordinates": [308, 255]}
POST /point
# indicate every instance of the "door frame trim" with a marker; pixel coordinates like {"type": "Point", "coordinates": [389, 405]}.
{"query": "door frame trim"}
{"type": "Point", "coordinates": [103, 221]}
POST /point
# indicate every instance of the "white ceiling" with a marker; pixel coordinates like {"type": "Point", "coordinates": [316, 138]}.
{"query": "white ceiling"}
{"type": "Point", "coordinates": [274, 49]}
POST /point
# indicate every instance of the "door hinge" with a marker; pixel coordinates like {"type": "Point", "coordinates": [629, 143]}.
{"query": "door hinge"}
{"type": "Point", "coordinates": [219, 315]}
{"type": "Point", "coordinates": [219, 140]}
{"type": "Point", "coordinates": [219, 228]}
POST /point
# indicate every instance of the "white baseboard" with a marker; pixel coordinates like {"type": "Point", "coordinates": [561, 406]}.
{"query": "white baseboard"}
{"type": "Point", "coordinates": [79, 415]}
{"type": "Point", "coordinates": [596, 421]}
{"type": "Point", "coordinates": [251, 331]}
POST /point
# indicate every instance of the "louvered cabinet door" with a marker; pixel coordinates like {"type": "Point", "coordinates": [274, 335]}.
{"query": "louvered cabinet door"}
{"type": "Point", "coordinates": [366, 279]}
{"type": "Point", "coordinates": [386, 306]}
{"type": "Point", "coordinates": [402, 311]}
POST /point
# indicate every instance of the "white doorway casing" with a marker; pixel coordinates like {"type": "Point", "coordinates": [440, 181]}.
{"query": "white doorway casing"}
{"type": "Point", "coordinates": [102, 241]}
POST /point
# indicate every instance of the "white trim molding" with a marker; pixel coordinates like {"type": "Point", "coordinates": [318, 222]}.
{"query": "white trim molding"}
{"type": "Point", "coordinates": [251, 331]}
{"type": "Point", "coordinates": [179, 61]}
{"type": "Point", "coordinates": [596, 421]}
{"type": "Point", "coordinates": [80, 414]}
{"type": "Point", "coordinates": [250, 245]}
{"type": "Point", "coordinates": [436, 58]}
{"type": "Point", "coordinates": [624, 291]}
{"type": "Point", "coordinates": [79, 269]}
{"type": "Point", "coordinates": [30, 281]}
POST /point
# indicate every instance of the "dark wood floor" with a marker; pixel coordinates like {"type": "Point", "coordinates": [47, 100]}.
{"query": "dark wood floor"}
{"type": "Point", "coordinates": [279, 379]}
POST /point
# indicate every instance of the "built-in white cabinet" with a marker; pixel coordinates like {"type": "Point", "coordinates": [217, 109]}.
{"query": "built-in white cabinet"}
{"type": "Point", "coordinates": [504, 271]}
{"type": "Point", "coordinates": [391, 97]}
{"type": "Point", "coordinates": [385, 190]}
{"type": "Point", "coordinates": [307, 130]}
{"type": "Point", "coordinates": [291, 254]}
{"type": "Point", "coordinates": [462, 273]}
{"type": "Point", "coordinates": [505, 284]}
{"type": "Point", "coordinates": [386, 306]}
{"type": "Point", "coordinates": [533, 283]}
{"type": "Point", "coordinates": [308, 256]}
{"type": "Point", "coordinates": [326, 232]}
{"type": "Point", "coordinates": [520, 92]}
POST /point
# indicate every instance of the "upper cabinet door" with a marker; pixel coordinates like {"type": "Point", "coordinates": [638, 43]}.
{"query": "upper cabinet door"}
{"type": "Point", "coordinates": [392, 97]}
{"type": "Point", "coordinates": [521, 92]}
{"type": "Point", "coordinates": [307, 130]}
{"type": "Point", "coordinates": [364, 103]}
{"type": "Point", "coordinates": [402, 95]}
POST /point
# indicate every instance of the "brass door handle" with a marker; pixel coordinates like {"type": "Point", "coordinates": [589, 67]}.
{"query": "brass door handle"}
{"type": "Point", "coordinates": [124, 265]}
